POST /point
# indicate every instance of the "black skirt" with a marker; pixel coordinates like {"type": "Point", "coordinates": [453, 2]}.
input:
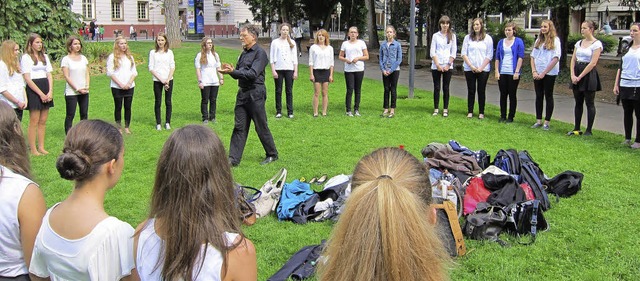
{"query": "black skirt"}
{"type": "Point", "coordinates": [321, 75]}
{"type": "Point", "coordinates": [629, 93]}
{"type": "Point", "coordinates": [34, 101]}
{"type": "Point", "coordinates": [588, 83]}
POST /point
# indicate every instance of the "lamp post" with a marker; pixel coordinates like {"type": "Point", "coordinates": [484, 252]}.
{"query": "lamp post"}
{"type": "Point", "coordinates": [339, 11]}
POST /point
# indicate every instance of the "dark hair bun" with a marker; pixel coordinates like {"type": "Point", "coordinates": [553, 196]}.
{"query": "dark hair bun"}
{"type": "Point", "coordinates": [73, 165]}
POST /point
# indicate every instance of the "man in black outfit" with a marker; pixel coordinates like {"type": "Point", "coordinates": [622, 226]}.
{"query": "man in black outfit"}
{"type": "Point", "coordinates": [251, 97]}
{"type": "Point", "coordinates": [92, 29]}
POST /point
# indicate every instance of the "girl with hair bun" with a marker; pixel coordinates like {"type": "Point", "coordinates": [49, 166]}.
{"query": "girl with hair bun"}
{"type": "Point", "coordinates": [392, 187]}
{"type": "Point", "coordinates": [78, 240]}
{"type": "Point", "coordinates": [21, 202]}
{"type": "Point", "coordinates": [190, 237]}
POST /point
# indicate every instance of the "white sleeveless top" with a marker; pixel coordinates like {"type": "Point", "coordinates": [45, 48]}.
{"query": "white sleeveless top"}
{"type": "Point", "coordinates": [12, 186]}
{"type": "Point", "coordinates": [149, 256]}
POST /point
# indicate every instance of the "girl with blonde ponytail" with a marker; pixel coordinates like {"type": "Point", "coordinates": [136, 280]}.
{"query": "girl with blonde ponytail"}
{"type": "Point", "coordinates": [387, 230]}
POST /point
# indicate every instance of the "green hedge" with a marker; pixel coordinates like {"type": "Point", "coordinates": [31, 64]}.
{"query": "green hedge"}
{"type": "Point", "coordinates": [609, 43]}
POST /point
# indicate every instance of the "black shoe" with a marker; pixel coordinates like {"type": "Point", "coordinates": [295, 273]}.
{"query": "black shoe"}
{"type": "Point", "coordinates": [233, 164]}
{"type": "Point", "coordinates": [268, 160]}
{"type": "Point", "coordinates": [510, 120]}
{"type": "Point", "coordinates": [502, 120]}
{"type": "Point", "coordinates": [588, 133]}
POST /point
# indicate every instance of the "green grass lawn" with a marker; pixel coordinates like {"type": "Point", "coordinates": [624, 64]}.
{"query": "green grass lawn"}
{"type": "Point", "coordinates": [593, 235]}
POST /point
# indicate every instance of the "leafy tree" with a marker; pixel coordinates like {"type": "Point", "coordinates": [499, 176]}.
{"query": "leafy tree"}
{"type": "Point", "coordinates": [51, 19]}
{"type": "Point", "coordinates": [371, 24]}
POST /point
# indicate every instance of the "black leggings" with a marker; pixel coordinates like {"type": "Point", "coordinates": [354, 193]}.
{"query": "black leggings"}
{"type": "Point", "coordinates": [481, 80]}
{"type": "Point", "coordinates": [446, 80]}
{"type": "Point", "coordinates": [588, 98]}
{"type": "Point", "coordinates": [390, 89]}
{"type": "Point", "coordinates": [287, 76]}
{"type": "Point", "coordinates": [354, 83]}
{"type": "Point", "coordinates": [157, 92]}
{"type": "Point", "coordinates": [122, 97]}
{"type": "Point", "coordinates": [508, 90]}
{"type": "Point", "coordinates": [18, 113]}
{"type": "Point", "coordinates": [630, 107]}
{"type": "Point", "coordinates": [544, 90]}
{"type": "Point", "coordinates": [72, 102]}
{"type": "Point", "coordinates": [209, 98]}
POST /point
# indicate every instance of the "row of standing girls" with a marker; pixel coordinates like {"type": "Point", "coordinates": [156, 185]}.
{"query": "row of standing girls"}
{"type": "Point", "coordinates": [477, 53]}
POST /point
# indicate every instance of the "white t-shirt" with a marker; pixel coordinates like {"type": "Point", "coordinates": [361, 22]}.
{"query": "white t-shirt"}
{"type": "Point", "coordinates": [209, 71]}
{"type": "Point", "coordinates": [585, 54]}
{"type": "Point", "coordinates": [630, 74]}
{"type": "Point", "coordinates": [542, 57]}
{"type": "Point", "coordinates": [321, 58]}
{"type": "Point", "coordinates": [124, 73]}
{"type": "Point", "coordinates": [282, 55]}
{"type": "Point", "coordinates": [351, 51]}
{"type": "Point", "coordinates": [77, 74]}
{"type": "Point", "coordinates": [149, 252]}
{"type": "Point", "coordinates": [507, 60]}
{"type": "Point", "coordinates": [161, 63]}
{"type": "Point", "coordinates": [12, 186]}
{"type": "Point", "coordinates": [104, 254]}
{"type": "Point", "coordinates": [14, 84]}
{"type": "Point", "coordinates": [38, 70]}
{"type": "Point", "coordinates": [477, 52]}
{"type": "Point", "coordinates": [441, 49]}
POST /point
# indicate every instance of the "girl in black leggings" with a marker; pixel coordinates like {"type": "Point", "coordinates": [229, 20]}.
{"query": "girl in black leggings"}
{"type": "Point", "coordinates": [627, 88]}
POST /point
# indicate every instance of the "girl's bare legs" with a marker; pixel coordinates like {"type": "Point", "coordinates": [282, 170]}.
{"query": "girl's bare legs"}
{"type": "Point", "coordinates": [34, 119]}
{"type": "Point", "coordinates": [316, 93]}
{"type": "Point", "coordinates": [42, 127]}
{"type": "Point", "coordinates": [325, 98]}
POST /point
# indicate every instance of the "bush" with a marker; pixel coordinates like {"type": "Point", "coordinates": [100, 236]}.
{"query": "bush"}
{"type": "Point", "coordinates": [97, 52]}
{"type": "Point", "coordinates": [497, 33]}
{"type": "Point", "coordinates": [609, 43]}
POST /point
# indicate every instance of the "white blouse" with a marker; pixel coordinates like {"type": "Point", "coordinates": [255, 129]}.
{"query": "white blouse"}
{"type": "Point", "coordinates": [13, 84]}
{"type": "Point", "coordinates": [585, 54]}
{"type": "Point", "coordinates": [282, 55]}
{"type": "Point", "coordinates": [209, 71]}
{"type": "Point", "coordinates": [37, 71]}
{"type": "Point", "coordinates": [441, 49]}
{"type": "Point", "coordinates": [162, 63]}
{"type": "Point", "coordinates": [320, 58]}
{"type": "Point", "coordinates": [77, 74]}
{"type": "Point", "coordinates": [477, 52]}
{"type": "Point", "coordinates": [124, 73]}
{"type": "Point", "coordinates": [106, 253]}
{"type": "Point", "coordinates": [542, 57]}
{"type": "Point", "coordinates": [351, 51]}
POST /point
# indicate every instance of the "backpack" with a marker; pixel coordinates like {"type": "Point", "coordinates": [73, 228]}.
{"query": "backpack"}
{"type": "Point", "coordinates": [483, 158]}
{"type": "Point", "coordinates": [508, 161]}
{"type": "Point", "coordinates": [525, 218]}
{"type": "Point", "coordinates": [486, 223]}
{"type": "Point", "coordinates": [565, 184]}
{"type": "Point", "coordinates": [533, 175]}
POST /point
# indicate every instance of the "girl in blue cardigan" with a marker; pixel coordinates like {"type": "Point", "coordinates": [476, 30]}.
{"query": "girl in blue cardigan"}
{"type": "Point", "coordinates": [509, 56]}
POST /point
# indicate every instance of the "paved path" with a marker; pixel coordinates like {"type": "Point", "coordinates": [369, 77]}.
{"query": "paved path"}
{"type": "Point", "coordinates": [608, 117]}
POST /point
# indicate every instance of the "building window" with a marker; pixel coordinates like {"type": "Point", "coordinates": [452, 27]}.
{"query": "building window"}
{"type": "Point", "coordinates": [87, 9]}
{"type": "Point", "coordinates": [536, 16]}
{"type": "Point", "coordinates": [116, 9]}
{"type": "Point", "coordinates": [217, 2]}
{"type": "Point", "coordinates": [143, 10]}
{"type": "Point", "coordinates": [494, 18]}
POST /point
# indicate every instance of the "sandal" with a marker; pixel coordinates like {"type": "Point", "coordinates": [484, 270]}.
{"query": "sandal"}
{"type": "Point", "coordinates": [435, 113]}
{"type": "Point", "coordinates": [391, 115]}
{"type": "Point", "coordinates": [322, 179]}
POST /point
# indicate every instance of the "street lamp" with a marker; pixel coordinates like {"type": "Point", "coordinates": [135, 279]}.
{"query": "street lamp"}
{"type": "Point", "coordinates": [339, 11]}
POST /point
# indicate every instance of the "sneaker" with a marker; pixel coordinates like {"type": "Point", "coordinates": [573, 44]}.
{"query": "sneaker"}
{"type": "Point", "coordinates": [205, 122]}
{"type": "Point", "coordinates": [480, 116]}
{"type": "Point", "coordinates": [510, 120]}
{"type": "Point", "coordinates": [626, 143]}
{"type": "Point", "coordinates": [588, 133]}
{"type": "Point", "coordinates": [635, 145]}
{"type": "Point", "coordinates": [574, 133]}
{"type": "Point", "coordinates": [279, 115]}
{"type": "Point", "coordinates": [290, 116]}
{"type": "Point", "coordinates": [167, 126]}
{"type": "Point", "coordinates": [435, 113]}
{"type": "Point", "coordinates": [158, 127]}
{"type": "Point", "coordinates": [536, 125]}
{"type": "Point", "coordinates": [357, 113]}
{"type": "Point", "coordinates": [502, 120]}
{"type": "Point", "coordinates": [349, 114]}
{"type": "Point", "coordinates": [545, 127]}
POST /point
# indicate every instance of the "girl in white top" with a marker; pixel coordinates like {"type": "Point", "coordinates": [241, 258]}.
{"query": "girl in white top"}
{"type": "Point", "coordinates": [584, 76]}
{"type": "Point", "coordinates": [353, 53]}
{"type": "Point", "coordinates": [74, 69]}
{"type": "Point", "coordinates": [321, 69]}
{"type": "Point", "coordinates": [443, 52]}
{"type": "Point", "coordinates": [545, 68]}
{"type": "Point", "coordinates": [477, 52]}
{"type": "Point", "coordinates": [627, 87]}
{"type": "Point", "coordinates": [162, 66]}
{"type": "Point", "coordinates": [283, 58]}
{"type": "Point", "coordinates": [21, 202]}
{"type": "Point", "coordinates": [78, 240]}
{"type": "Point", "coordinates": [12, 84]}
{"type": "Point", "coordinates": [121, 67]}
{"type": "Point", "coordinates": [193, 237]}
{"type": "Point", "coordinates": [207, 64]}
{"type": "Point", "coordinates": [36, 70]}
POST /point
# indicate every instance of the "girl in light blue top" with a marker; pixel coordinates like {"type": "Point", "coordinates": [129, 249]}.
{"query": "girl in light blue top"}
{"type": "Point", "coordinates": [390, 59]}
{"type": "Point", "coordinates": [477, 52]}
{"type": "Point", "coordinates": [443, 52]}
{"type": "Point", "coordinates": [509, 55]}
{"type": "Point", "coordinates": [544, 69]}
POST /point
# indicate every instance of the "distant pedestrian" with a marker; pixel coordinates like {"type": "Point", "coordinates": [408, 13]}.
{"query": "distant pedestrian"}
{"type": "Point", "coordinates": [353, 53]}
{"type": "Point", "coordinates": [92, 29]}
{"type": "Point", "coordinates": [443, 53]}
{"type": "Point", "coordinates": [544, 70]}
{"type": "Point", "coordinates": [389, 60]}
{"type": "Point", "coordinates": [477, 52]}
{"type": "Point", "coordinates": [297, 36]}
{"type": "Point", "coordinates": [509, 56]}
{"type": "Point", "coordinates": [627, 87]}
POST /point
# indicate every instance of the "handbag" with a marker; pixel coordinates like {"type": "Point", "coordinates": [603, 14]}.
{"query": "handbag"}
{"type": "Point", "coordinates": [270, 194]}
{"type": "Point", "coordinates": [245, 196]}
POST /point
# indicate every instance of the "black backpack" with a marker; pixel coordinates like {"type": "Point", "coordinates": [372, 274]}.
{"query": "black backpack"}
{"type": "Point", "coordinates": [483, 158]}
{"type": "Point", "coordinates": [485, 223]}
{"type": "Point", "coordinates": [525, 218]}
{"type": "Point", "coordinates": [508, 161]}
{"type": "Point", "coordinates": [533, 175]}
{"type": "Point", "coordinates": [565, 184]}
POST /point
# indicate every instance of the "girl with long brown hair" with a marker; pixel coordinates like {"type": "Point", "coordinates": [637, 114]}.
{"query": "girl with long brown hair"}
{"type": "Point", "coordinates": [121, 68]}
{"type": "Point", "coordinates": [12, 84]}
{"type": "Point", "coordinates": [162, 65]}
{"type": "Point", "coordinates": [321, 64]}
{"type": "Point", "coordinates": [207, 64]}
{"type": "Point", "coordinates": [509, 56]}
{"type": "Point", "coordinates": [477, 52]}
{"type": "Point", "coordinates": [193, 229]}
{"type": "Point", "coordinates": [443, 52]}
{"type": "Point", "coordinates": [36, 69]}
{"type": "Point", "coordinates": [283, 57]}
{"type": "Point", "coordinates": [74, 68]}
{"type": "Point", "coordinates": [545, 68]}
{"type": "Point", "coordinates": [387, 229]}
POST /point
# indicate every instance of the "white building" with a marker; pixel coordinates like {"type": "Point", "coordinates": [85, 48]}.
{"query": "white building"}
{"type": "Point", "coordinates": [213, 17]}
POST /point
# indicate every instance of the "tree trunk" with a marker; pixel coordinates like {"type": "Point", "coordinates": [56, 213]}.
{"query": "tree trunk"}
{"type": "Point", "coordinates": [172, 22]}
{"type": "Point", "coordinates": [371, 25]}
{"type": "Point", "coordinates": [560, 15]}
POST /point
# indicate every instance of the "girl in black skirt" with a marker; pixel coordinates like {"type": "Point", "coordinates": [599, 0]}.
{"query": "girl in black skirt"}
{"type": "Point", "coordinates": [584, 76]}
{"type": "Point", "coordinates": [36, 70]}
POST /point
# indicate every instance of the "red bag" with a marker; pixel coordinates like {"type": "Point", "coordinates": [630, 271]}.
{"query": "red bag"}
{"type": "Point", "coordinates": [475, 193]}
